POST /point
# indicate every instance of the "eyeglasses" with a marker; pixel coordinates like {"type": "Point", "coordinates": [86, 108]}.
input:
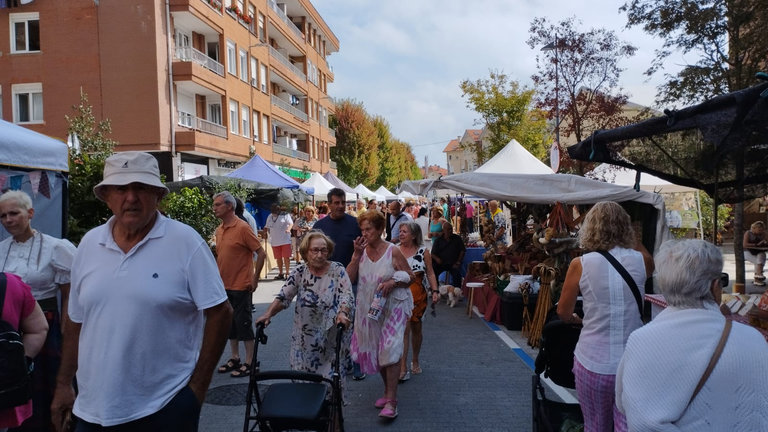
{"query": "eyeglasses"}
{"type": "Point", "coordinates": [319, 250]}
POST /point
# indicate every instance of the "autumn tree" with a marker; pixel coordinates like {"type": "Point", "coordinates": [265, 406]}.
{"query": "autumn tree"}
{"type": "Point", "coordinates": [585, 67]}
{"type": "Point", "coordinates": [506, 111]}
{"type": "Point", "coordinates": [723, 41]}
{"type": "Point", "coordinates": [356, 151]}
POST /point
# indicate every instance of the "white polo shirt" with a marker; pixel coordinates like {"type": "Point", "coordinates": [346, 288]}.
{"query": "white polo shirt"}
{"type": "Point", "coordinates": [142, 318]}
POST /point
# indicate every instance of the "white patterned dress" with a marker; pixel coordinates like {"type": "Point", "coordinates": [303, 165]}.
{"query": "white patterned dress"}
{"type": "Point", "coordinates": [377, 344]}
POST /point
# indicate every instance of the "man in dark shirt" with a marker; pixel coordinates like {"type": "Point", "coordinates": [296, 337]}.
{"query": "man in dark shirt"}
{"type": "Point", "coordinates": [448, 253]}
{"type": "Point", "coordinates": [343, 229]}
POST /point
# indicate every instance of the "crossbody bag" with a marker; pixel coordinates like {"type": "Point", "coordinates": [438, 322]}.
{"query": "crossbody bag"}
{"type": "Point", "coordinates": [628, 279]}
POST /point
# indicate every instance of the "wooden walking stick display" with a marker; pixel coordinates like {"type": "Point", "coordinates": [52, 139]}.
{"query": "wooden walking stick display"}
{"type": "Point", "coordinates": [547, 275]}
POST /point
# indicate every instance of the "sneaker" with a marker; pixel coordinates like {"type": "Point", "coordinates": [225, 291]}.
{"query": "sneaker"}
{"type": "Point", "coordinates": [390, 410]}
{"type": "Point", "coordinates": [759, 282]}
{"type": "Point", "coordinates": [280, 277]}
{"type": "Point", "coordinates": [759, 277]}
{"type": "Point", "coordinates": [359, 377]}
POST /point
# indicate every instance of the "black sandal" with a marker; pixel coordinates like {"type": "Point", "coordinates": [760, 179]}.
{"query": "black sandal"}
{"type": "Point", "coordinates": [229, 366]}
{"type": "Point", "coordinates": [243, 371]}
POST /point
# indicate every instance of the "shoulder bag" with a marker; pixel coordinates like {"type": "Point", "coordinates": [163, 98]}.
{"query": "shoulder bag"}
{"type": "Point", "coordinates": [628, 279]}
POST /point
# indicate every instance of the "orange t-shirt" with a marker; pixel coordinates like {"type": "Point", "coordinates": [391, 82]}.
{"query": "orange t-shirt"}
{"type": "Point", "coordinates": [235, 245]}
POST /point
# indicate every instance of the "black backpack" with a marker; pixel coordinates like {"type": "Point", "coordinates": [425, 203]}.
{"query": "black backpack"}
{"type": "Point", "coordinates": [15, 381]}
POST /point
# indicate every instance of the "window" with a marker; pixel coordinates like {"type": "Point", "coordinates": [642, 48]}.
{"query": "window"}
{"type": "Point", "coordinates": [262, 33]}
{"type": "Point", "coordinates": [254, 72]}
{"type": "Point", "coordinates": [25, 32]}
{"type": "Point", "coordinates": [231, 58]}
{"type": "Point", "coordinates": [245, 117]}
{"type": "Point", "coordinates": [233, 116]}
{"type": "Point", "coordinates": [27, 103]}
{"type": "Point", "coordinates": [263, 77]}
{"type": "Point", "coordinates": [214, 113]}
{"type": "Point", "coordinates": [256, 125]}
{"type": "Point", "coordinates": [243, 65]}
{"type": "Point", "coordinates": [265, 129]}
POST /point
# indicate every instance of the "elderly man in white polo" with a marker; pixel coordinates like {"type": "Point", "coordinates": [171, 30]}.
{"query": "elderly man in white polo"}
{"type": "Point", "coordinates": [149, 311]}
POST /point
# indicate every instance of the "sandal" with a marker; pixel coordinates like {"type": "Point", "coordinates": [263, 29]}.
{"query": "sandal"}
{"type": "Point", "coordinates": [380, 402]}
{"type": "Point", "coordinates": [416, 369]}
{"type": "Point", "coordinates": [390, 409]}
{"type": "Point", "coordinates": [404, 376]}
{"type": "Point", "coordinates": [243, 371]}
{"type": "Point", "coordinates": [230, 365]}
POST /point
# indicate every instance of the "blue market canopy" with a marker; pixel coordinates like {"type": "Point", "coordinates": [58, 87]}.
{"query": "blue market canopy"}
{"type": "Point", "coordinates": [257, 192]}
{"type": "Point", "coordinates": [259, 170]}
{"type": "Point", "coordinates": [719, 146]}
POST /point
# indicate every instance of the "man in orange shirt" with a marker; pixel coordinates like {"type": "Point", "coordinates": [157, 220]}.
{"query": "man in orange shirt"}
{"type": "Point", "coordinates": [235, 245]}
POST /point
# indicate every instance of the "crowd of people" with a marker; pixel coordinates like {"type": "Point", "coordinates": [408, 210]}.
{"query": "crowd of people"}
{"type": "Point", "coordinates": [373, 269]}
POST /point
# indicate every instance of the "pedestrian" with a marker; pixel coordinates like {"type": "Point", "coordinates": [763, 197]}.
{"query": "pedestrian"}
{"type": "Point", "coordinates": [43, 262]}
{"type": "Point", "coordinates": [448, 252]}
{"type": "Point", "coordinates": [470, 214]}
{"type": "Point", "coordinates": [661, 395]}
{"type": "Point", "coordinates": [236, 245]}
{"type": "Point", "coordinates": [342, 229]}
{"type": "Point", "coordinates": [382, 273]}
{"type": "Point", "coordinates": [23, 313]}
{"type": "Point", "coordinates": [372, 205]}
{"type": "Point", "coordinates": [423, 222]}
{"type": "Point", "coordinates": [278, 230]}
{"type": "Point", "coordinates": [322, 210]}
{"type": "Point", "coordinates": [425, 283]}
{"type": "Point", "coordinates": [610, 309]}
{"type": "Point", "coordinates": [444, 206]}
{"type": "Point", "coordinates": [148, 309]}
{"type": "Point", "coordinates": [302, 226]}
{"type": "Point", "coordinates": [396, 217]}
{"type": "Point", "coordinates": [755, 244]}
{"type": "Point", "coordinates": [324, 298]}
{"type": "Point", "coordinates": [500, 235]}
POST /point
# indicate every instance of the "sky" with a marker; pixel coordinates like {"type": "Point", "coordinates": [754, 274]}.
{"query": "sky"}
{"type": "Point", "coordinates": [404, 60]}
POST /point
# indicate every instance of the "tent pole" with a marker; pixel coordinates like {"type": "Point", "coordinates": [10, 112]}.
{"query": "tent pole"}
{"type": "Point", "coordinates": [698, 210]}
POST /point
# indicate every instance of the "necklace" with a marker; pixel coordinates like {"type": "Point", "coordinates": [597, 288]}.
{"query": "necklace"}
{"type": "Point", "coordinates": [31, 248]}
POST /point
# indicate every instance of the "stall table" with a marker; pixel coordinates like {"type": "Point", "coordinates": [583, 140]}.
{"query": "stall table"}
{"type": "Point", "coordinates": [486, 300]}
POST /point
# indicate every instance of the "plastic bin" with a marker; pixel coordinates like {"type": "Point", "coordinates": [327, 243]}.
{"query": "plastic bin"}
{"type": "Point", "coordinates": [512, 309]}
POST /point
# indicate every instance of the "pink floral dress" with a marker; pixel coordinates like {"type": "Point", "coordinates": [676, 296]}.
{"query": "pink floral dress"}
{"type": "Point", "coordinates": [377, 344]}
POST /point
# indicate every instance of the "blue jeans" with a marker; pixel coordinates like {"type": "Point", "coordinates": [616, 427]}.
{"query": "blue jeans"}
{"type": "Point", "coordinates": [181, 414]}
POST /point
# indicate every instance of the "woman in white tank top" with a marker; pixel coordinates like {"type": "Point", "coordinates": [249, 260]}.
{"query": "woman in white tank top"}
{"type": "Point", "coordinates": [610, 309]}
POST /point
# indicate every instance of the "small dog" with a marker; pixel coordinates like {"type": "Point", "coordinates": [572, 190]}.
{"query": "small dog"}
{"type": "Point", "coordinates": [454, 294]}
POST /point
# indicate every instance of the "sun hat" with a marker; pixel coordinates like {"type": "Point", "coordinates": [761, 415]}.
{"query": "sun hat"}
{"type": "Point", "coordinates": [129, 167]}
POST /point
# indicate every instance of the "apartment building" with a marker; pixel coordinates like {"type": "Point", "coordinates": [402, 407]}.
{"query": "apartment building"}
{"type": "Point", "coordinates": [202, 84]}
{"type": "Point", "coordinates": [460, 153]}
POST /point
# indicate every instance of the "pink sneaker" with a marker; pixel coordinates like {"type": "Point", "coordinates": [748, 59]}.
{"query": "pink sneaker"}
{"type": "Point", "coordinates": [380, 402]}
{"type": "Point", "coordinates": [390, 409]}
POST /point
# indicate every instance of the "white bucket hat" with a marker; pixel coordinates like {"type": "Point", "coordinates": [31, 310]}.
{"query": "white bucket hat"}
{"type": "Point", "coordinates": [129, 167]}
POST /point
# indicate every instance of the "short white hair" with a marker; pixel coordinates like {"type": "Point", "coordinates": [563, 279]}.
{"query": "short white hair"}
{"type": "Point", "coordinates": [685, 271]}
{"type": "Point", "coordinates": [21, 199]}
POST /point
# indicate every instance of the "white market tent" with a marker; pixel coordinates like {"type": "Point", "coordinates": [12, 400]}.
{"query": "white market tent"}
{"type": "Point", "coordinates": [626, 177]}
{"type": "Point", "coordinates": [543, 189]}
{"type": "Point", "coordinates": [389, 196]}
{"type": "Point", "coordinates": [514, 159]}
{"type": "Point", "coordinates": [406, 195]}
{"type": "Point", "coordinates": [367, 193]}
{"type": "Point", "coordinates": [321, 187]}
{"type": "Point", "coordinates": [36, 164]}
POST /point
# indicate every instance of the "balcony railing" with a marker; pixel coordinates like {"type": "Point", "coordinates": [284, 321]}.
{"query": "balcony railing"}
{"type": "Point", "coordinates": [330, 131]}
{"type": "Point", "coordinates": [281, 58]}
{"type": "Point", "coordinates": [193, 55]}
{"type": "Point", "coordinates": [286, 20]}
{"type": "Point", "coordinates": [190, 121]}
{"type": "Point", "coordinates": [285, 151]}
{"type": "Point", "coordinates": [213, 4]}
{"type": "Point", "coordinates": [290, 108]}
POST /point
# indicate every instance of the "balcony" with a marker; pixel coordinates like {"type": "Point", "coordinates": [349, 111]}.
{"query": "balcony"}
{"type": "Point", "coordinates": [189, 54]}
{"type": "Point", "coordinates": [290, 25]}
{"type": "Point", "coordinates": [189, 121]}
{"type": "Point", "coordinates": [330, 131]}
{"type": "Point", "coordinates": [285, 151]}
{"type": "Point", "coordinates": [213, 4]}
{"type": "Point", "coordinates": [275, 54]}
{"type": "Point", "coordinates": [285, 106]}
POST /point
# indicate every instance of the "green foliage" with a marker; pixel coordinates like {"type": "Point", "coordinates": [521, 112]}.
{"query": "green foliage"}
{"type": "Point", "coordinates": [192, 207]}
{"type": "Point", "coordinates": [86, 167]}
{"type": "Point", "coordinates": [724, 214]}
{"type": "Point", "coordinates": [505, 110]}
{"type": "Point", "coordinates": [724, 38]}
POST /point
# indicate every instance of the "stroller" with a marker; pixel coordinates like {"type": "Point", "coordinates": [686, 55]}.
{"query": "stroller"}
{"type": "Point", "coordinates": [555, 359]}
{"type": "Point", "coordinates": [293, 400]}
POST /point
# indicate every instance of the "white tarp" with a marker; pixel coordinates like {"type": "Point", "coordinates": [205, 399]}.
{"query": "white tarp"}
{"type": "Point", "coordinates": [367, 193]}
{"type": "Point", "coordinates": [543, 189]}
{"type": "Point", "coordinates": [514, 159]}
{"type": "Point", "coordinates": [389, 196]}
{"type": "Point", "coordinates": [322, 186]}
{"type": "Point", "coordinates": [626, 177]}
{"type": "Point", "coordinates": [24, 148]}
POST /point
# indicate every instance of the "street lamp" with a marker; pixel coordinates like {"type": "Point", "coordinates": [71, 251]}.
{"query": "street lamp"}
{"type": "Point", "coordinates": [552, 46]}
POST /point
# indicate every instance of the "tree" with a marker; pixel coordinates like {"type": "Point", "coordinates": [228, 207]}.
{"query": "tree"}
{"type": "Point", "coordinates": [585, 67]}
{"type": "Point", "coordinates": [397, 159]}
{"type": "Point", "coordinates": [86, 167]}
{"type": "Point", "coordinates": [505, 110]}
{"type": "Point", "coordinates": [356, 151]}
{"type": "Point", "coordinates": [724, 38]}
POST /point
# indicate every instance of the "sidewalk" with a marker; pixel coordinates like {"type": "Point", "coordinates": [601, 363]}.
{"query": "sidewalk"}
{"type": "Point", "coordinates": [475, 379]}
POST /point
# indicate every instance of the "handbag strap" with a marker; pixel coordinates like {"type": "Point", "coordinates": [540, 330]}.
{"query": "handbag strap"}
{"type": "Point", "coordinates": [627, 278]}
{"type": "Point", "coordinates": [714, 359]}
{"type": "Point", "coordinates": [3, 283]}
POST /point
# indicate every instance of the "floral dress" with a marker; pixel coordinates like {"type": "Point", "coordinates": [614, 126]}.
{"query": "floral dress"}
{"type": "Point", "coordinates": [303, 224]}
{"type": "Point", "coordinates": [377, 344]}
{"type": "Point", "coordinates": [318, 300]}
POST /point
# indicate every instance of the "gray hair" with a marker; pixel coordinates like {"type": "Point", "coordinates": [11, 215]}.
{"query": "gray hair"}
{"type": "Point", "coordinates": [227, 198]}
{"type": "Point", "coordinates": [415, 229]}
{"type": "Point", "coordinates": [21, 199]}
{"type": "Point", "coordinates": [685, 271]}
